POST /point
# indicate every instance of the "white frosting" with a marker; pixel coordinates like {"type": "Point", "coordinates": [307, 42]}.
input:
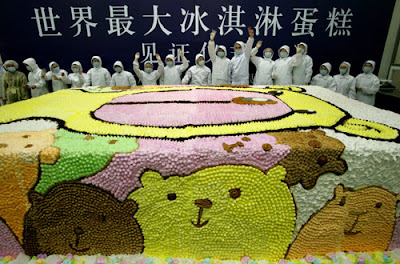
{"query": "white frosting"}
{"type": "Point", "coordinates": [28, 125]}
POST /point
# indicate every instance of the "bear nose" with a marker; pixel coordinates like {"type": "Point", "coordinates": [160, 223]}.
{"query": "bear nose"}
{"type": "Point", "coordinates": [79, 230]}
{"type": "Point", "coordinates": [203, 203]}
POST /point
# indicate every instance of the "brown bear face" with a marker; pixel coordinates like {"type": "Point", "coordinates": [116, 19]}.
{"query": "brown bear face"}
{"type": "Point", "coordinates": [83, 220]}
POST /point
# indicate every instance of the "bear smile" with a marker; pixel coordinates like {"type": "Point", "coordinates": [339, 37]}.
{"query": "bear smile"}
{"type": "Point", "coordinates": [201, 203]}
{"type": "Point", "coordinates": [78, 250]}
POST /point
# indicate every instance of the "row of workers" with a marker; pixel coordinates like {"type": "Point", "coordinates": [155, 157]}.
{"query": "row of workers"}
{"type": "Point", "coordinates": [286, 70]}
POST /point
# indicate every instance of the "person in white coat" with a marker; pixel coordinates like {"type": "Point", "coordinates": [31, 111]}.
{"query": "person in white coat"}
{"type": "Point", "coordinates": [172, 73]}
{"type": "Point", "coordinates": [198, 74]}
{"type": "Point", "coordinates": [98, 76]}
{"type": "Point", "coordinates": [148, 76]}
{"type": "Point", "coordinates": [345, 83]}
{"type": "Point", "coordinates": [283, 67]}
{"type": "Point", "coordinates": [77, 78]}
{"type": "Point", "coordinates": [122, 77]}
{"type": "Point", "coordinates": [367, 84]}
{"type": "Point", "coordinates": [2, 71]}
{"type": "Point", "coordinates": [221, 65]}
{"type": "Point", "coordinates": [36, 81]}
{"type": "Point", "coordinates": [264, 65]}
{"type": "Point", "coordinates": [323, 78]}
{"type": "Point", "coordinates": [56, 76]}
{"type": "Point", "coordinates": [241, 59]}
{"type": "Point", "coordinates": [302, 74]}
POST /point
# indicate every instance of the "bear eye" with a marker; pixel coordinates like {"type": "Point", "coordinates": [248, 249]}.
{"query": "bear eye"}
{"type": "Point", "coordinates": [378, 205]}
{"type": "Point", "coordinates": [171, 196]}
{"type": "Point", "coordinates": [343, 201]}
{"type": "Point", "coordinates": [102, 218]}
{"type": "Point", "coordinates": [235, 193]}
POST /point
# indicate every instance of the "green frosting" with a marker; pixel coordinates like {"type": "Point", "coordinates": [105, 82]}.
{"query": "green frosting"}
{"type": "Point", "coordinates": [82, 155]}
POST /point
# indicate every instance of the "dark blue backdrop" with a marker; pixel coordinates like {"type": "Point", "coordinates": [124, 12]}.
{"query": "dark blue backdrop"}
{"type": "Point", "coordinates": [360, 26]}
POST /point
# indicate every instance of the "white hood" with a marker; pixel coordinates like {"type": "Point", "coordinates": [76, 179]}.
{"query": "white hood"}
{"type": "Point", "coordinates": [327, 65]}
{"type": "Point", "coordinates": [77, 63]}
{"type": "Point", "coordinates": [198, 56]}
{"type": "Point", "coordinates": [372, 63]}
{"type": "Point", "coordinates": [149, 62]}
{"type": "Point", "coordinates": [266, 50]}
{"type": "Point", "coordinates": [97, 57]}
{"type": "Point", "coordinates": [306, 46]}
{"type": "Point", "coordinates": [170, 56]}
{"type": "Point", "coordinates": [224, 48]}
{"type": "Point", "coordinates": [119, 63]}
{"type": "Point", "coordinates": [242, 44]}
{"type": "Point", "coordinates": [51, 65]}
{"type": "Point", "coordinates": [31, 62]}
{"type": "Point", "coordinates": [348, 66]}
{"type": "Point", "coordinates": [285, 47]}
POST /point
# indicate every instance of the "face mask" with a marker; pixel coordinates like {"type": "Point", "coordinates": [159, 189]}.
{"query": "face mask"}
{"type": "Point", "coordinates": [11, 69]}
{"type": "Point", "coordinates": [29, 68]}
{"type": "Point", "coordinates": [221, 54]}
{"type": "Point", "coordinates": [323, 72]}
{"type": "Point", "coordinates": [148, 70]}
{"type": "Point", "coordinates": [56, 69]}
{"type": "Point", "coordinates": [238, 52]}
{"type": "Point", "coordinates": [283, 54]}
{"type": "Point", "coordinates": [302, 51]}
{"type": "Point", "coordinates": [201, 63]}
{"type": "Point", "coordinates": [342, 72]}
{"type": "Point", "coordinates": [367, 69]}
{"type": "Point", "coordinates": [170, 63]}
{"type": "Point", "coordinates": [268, 54]}
{"type": "Point", "coordinates": [118, 69]}
{"type": "Point", "coordinates": [75, 70]}
{"type": "Point", "coordinates": [96, 64]}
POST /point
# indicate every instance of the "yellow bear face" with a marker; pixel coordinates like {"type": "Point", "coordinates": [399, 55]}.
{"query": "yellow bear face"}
{"type": "Point", "coordinates": [223, 212]}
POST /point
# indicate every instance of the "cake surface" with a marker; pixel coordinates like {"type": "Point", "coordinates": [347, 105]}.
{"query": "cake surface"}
{"type": "Point", "coordinates": [199, 172]}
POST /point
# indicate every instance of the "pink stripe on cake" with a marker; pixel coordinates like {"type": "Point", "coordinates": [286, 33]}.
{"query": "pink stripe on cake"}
{"type": "Point", "coordinates": [194, 107]}
{"type": "Point", "coordinates": [182, 158]}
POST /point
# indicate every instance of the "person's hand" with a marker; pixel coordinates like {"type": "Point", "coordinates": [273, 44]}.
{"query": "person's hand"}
{"type": "Point", "coordinates": [63, 74]}
{"type": "Point", "coordinates": [259, 44]}
{"type": "Point", "coordinates": [358, 88]}
{"type": "Point", "coordinates": [26, 86]}
{"type": "Point", "coordinates": [43, 72]}
{"type": "Point", "coordinates": [212, 35]}
{"type": "Point", "coordinates": [251, 32]}
{"type": "Point", "coordinates": [298, 49]}
{"type": "Point", "coordinates": [55, 77]}
{"type": "Point", "coordinates": [158, 57]}
{"type": "Point", "coordinates": [33, 86]}
{"type": "Point", "coordinates": [274, 76]}
{"type": "Point", "coordinates": [137, 55]}
{"type": "Point", "coordinates": [180, 52]}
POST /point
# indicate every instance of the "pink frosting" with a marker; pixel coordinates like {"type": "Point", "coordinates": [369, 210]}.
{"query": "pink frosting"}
{"type": "Point", "coordinates": [182, 158]}
{"type": "Point", "coordinates": [9, 245]}
{"type": "Point", "coordinates": [193, 107]}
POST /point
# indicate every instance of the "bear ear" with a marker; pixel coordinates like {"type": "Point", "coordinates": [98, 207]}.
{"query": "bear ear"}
{"type": "Point", "coordinates": [318, 132]}
{"type": "Point", "coordinates": [277, 172]}
{"type": "Point", "coordinates": [149, 177]}
{"type": "Point", "coordinates": [35, 197]}
{"type": "Point", "coordinates": [129, 206]}
{"type": "Point", "coordinates": [339, 191]}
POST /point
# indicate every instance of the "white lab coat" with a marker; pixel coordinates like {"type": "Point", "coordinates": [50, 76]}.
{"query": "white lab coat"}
{"type": "Point", "coordinates": [221, 67]}
{"type": "Point", "coordinates": [283, 67]}
{"type": "Point", "coordinates": [35, 78]}
{"type": "Point", "coordinates": [198, 75]}
{"type": "Point", "coordinates": [240, 63]}
{"type": "Point", "coordinates": [123, 78]}
{"type": "Point", "coordinates": [75, 79]}
{"type": "Point", "coordinates": [98, 76]}
{"type": "Point", "coordinates": [172, 75]}
{"type": "Point", "coordinates": [57, 84]}
{"type": "Point", "coordinates": [264, 66]}
{"type": "Point", "coordinates": [148, 78]}
{"type": "Point", "coordinates": [346, 84]}
{"type": "Point", "coordinates": [303, 73]}
{"type": "Point", "coordinates": [370, 86]}
{"type": "Point", "coordinates": [325, 81]}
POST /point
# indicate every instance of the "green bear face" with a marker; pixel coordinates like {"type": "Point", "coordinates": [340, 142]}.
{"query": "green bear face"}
{"type": "Point", "coordinates": [223, 212]}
